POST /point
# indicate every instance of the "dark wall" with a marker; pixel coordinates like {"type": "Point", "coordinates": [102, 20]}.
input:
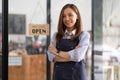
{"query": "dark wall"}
{"type": "Point", "coordinates": [16, 24]}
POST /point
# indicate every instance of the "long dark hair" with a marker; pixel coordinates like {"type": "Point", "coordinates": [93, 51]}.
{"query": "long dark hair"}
{"type": "Point", "coordinates": [62, 27]}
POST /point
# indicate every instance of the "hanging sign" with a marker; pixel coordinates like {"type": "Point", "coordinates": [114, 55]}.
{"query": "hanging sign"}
{"type": "Point", "coordinates": [38, 29]}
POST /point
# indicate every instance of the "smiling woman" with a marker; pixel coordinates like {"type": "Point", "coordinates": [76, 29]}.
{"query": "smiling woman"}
{"type": "Point", "coordinates": [42, 15]}
{"type": "Point", "coordinates": [69, 45]}
{"type": "Point", "coordinates": [69, 18]}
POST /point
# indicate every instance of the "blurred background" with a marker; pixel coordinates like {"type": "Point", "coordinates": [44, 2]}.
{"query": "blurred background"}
{"type": "Point", "coordinates": [27, 59]}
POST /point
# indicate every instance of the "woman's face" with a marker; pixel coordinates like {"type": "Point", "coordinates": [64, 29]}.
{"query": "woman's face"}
{"type": "Point", "coordinates": [69, 18]}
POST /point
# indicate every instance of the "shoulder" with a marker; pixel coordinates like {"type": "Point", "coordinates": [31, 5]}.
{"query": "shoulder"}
{"type": "Point", "coordinates": [53, 40]}
{"type": "Point", "coordinates": [85, 34]}
{"type": "Point", "coordinates": [84, 38]}
{"type": "Point", "coordinates": [54, 34]}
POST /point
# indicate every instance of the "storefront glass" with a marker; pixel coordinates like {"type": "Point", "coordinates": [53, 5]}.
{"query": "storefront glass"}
{"type": "Point", "coordinates": [27, 52]}
{"type": "Point", "coordinates": [111, 40]}
{"type": "Point", "coordinates": [106, 40]}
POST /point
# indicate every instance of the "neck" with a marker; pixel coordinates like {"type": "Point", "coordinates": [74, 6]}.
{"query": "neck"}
{"type": "Point", "coordinates": [69, 29]}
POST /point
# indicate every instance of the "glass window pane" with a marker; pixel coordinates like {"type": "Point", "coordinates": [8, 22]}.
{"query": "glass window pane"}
{"type": "Point", "coordinates": [111, 39]}
{"type": "Point", "coordinates": [27, 53]}
{"type": "Point", "coordinates": [107, 40]}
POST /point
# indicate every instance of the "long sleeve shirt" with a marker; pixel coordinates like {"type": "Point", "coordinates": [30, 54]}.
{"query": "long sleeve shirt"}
{"type": "Point", "coordinates": [77, 54]}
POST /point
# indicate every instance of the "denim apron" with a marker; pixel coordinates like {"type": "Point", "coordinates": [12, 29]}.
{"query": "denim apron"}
{"type": "Point", "coordinates": [64, 70]}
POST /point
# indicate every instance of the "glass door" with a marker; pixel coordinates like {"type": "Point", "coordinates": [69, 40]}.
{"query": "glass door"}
{"type": "Point", "coordinates": [27, 52]}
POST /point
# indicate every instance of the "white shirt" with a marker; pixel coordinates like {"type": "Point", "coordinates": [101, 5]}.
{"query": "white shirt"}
{"type": "Point", "coordinates": [68, 35]}
{"type": "Point", "coordinates": [75, 54]}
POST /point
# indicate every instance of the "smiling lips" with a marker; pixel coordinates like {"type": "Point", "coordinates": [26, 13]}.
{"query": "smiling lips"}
{"type": "Point", "coordinates": [68, 22]}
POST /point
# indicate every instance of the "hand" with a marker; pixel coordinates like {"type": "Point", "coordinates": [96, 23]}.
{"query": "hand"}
{"type": "Point", "coordinates": [52, 49]}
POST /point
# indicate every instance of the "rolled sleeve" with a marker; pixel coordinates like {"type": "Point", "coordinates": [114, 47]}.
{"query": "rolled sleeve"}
{"type": "Point", "coordinates": [79, 53]}
{"type": "Point", "coordinates": [50, 56]}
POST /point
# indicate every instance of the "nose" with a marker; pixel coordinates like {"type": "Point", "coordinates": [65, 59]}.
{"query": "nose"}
{"type": "Point", "coordinates": [66, 18]}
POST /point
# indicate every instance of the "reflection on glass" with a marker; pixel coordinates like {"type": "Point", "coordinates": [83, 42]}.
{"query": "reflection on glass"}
{"type": "Point", "coordinates": [107, 46]}
{"type": "Point", "coordinates": [22, 65]}
{"type": "Point", "coordinates": [36, 44]}
{"type": "Point", "coordinates": [111, 39]}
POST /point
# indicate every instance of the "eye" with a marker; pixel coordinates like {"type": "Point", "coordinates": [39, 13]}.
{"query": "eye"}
{"type": "Point", "coordinates": [70, 15]}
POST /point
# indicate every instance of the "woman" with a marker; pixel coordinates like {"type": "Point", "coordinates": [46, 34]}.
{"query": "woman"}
{"type": "Point", "coordinates": [69, 45]}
